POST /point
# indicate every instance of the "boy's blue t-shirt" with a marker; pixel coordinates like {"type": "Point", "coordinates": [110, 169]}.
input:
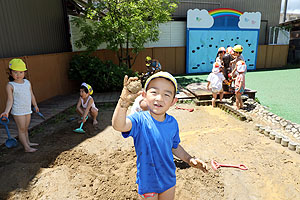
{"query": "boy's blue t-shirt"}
{"type": "Point", "coordinates": [153, 141]}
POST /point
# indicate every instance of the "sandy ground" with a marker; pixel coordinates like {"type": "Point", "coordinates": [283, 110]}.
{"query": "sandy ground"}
{"type": "Point", "coordinates": [101, 164]}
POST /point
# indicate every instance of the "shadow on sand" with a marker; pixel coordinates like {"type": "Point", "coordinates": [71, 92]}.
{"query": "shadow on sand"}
{"type": "Point", "coordinates": [54, 137]}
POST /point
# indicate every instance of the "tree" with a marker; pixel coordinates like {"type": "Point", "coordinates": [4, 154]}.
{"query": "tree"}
{"type": "Point", "coordinates": [123, 24]}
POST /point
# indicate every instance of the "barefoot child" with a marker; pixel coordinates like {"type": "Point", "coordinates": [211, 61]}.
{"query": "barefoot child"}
{"type": "Point", "coordinates": [215, 81]}
{"type": "Point", "coordinates": [220, 55]}
{"type": "Point", "coordinates": [237, 54]}
{"type": "Point", "coordinates": [240, 83]}
{"type": "Point", "coordinates": [19, 100]}
{"type": "Point", "coordinates": [86, 104]}
{"type": "Point", "coordinates": [155, 135]}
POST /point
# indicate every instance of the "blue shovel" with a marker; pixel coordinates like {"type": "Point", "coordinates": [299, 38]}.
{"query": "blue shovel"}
{"type": "Point", "coordinates": [80, 130]}
{"type": "Point", "coordinates": [10, 142]}
{"type": "Point", "coordinates": [40, 114]}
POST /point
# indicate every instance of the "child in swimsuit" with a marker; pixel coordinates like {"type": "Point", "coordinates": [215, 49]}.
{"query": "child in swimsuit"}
{"type": "Point", "coordinates": [86, 104]}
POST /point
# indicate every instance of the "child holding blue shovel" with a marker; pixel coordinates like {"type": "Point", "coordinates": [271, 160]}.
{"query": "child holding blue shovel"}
{"type": "Point", "coordinates": [19, 100]}
{"type": "Point", "coordinates": [86, 104]}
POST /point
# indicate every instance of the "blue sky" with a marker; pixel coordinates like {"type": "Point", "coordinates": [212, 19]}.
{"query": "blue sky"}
{"type": "Point", "coordinates": [293, 6]}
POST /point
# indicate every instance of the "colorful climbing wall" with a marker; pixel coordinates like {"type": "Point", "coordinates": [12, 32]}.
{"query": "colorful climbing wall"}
{"type": "Point", "coordinates": [207, 31]}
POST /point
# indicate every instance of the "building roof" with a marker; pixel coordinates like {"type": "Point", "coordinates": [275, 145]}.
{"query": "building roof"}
{"type": "Point", "coordinates": [293, 23]}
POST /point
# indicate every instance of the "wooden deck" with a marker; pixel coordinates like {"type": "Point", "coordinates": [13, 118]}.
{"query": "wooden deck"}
{"type": "Point", "coordinates": [200, 91]}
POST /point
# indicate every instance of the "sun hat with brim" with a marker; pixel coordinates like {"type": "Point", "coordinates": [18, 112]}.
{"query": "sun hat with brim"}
{"type": "Point", "coordinates": [17, 65]}
{"type": "Point", "coordinates": [229, 50]}
{"type": "Point", "coordinates": [221, 49]}
{"type": "Point", "coordinates": [241, 66]}
{"type": "Point", "coordinates": [161, 74]}
{"type": "Point", "coordinates": [238, 48]}
{"type": "Point", "coordinates": [88, 87]}
{"type": "Point", "coordinates": [215, 70]}
{"type": "Point", "coordinates": [216, 65]}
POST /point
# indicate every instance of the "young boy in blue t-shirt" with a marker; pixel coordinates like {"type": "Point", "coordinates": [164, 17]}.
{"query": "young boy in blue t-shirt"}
{"type": "Point", "coordinates": [155, 134]}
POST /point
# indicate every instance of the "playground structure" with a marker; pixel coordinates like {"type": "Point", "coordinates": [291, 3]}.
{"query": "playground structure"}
{"type": "Point", "coordinates": [209, 30]}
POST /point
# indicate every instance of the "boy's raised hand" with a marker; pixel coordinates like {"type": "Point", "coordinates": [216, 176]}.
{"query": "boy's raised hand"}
{"type": "Point", "coordinates": [197, 163]}
{"type": "Point", "coordinates": [131, 89]}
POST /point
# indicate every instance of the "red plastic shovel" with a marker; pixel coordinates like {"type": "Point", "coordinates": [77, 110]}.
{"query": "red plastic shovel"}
{"type": "Point", "coordinates": [188, 109]}
{"type": "Point", "coordinates": [216, 165]}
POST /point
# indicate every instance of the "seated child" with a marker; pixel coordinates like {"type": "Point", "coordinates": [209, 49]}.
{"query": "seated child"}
{"type": "Point", "coordinates": [152, 65]}
{"type": "Point", "coordinates": [240, 83]}
{"type": "Point", "coordinates": [86, 104]}
{"type": "Point", "coordinates": [156, 136]}
{"type": "Point", "coordinates": [215, 81]}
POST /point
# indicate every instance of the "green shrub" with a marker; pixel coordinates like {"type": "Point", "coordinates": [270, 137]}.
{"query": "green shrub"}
{"type": "Point", "coordinates": [102, 76]}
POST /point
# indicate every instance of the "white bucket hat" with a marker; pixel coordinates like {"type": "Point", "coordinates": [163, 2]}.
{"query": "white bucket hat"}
{"type": "Point", "coordinates": [216, 68]}
{"type": "Point", "coordinates": [241, 66]}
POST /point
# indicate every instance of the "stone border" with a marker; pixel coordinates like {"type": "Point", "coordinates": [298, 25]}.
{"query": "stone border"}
{"type": "Point", "coordinates": [278, 137]}
{"type": "Point", "coordinates": [276, 122]}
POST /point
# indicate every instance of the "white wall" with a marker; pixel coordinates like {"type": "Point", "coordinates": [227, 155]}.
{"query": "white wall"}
{"type": "Point", "coordinates": [172, 34]}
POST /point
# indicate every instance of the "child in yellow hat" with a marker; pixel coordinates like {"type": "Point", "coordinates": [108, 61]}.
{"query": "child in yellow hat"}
{"type": "Point", "coordinates": [86, 104]}
{"type": "Point", "coordinates": [19, 100]}
{"type": "Point", "coordinates": [152, 65]}
{"type": "Point", "coordinates": [240, 83]}
{"type": "Point", "coordinates": [237, 54]}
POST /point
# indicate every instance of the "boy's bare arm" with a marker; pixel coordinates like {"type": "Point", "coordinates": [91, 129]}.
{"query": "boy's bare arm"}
{"type": "Point", "coordinates": [119, 120]}
{"type": "Point", "coordinates": [179, 152]}
{"type": "Point", "coordinates": [192, 161]}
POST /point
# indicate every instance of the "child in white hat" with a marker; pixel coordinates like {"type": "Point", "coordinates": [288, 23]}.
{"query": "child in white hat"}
{"type": "Point", "coordinates": [86, 104]}
{"type": "Point", "coordinates": [215, 82]}
{"type": "Point", "coordinates": [240, 83]}
{"type": "Point", "coordinates": [155, 134]}
{"type": "Point", "coordinates": [220, 54]}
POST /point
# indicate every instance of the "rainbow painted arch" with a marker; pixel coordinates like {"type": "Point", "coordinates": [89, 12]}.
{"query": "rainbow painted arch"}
{"type": "Point", "coordinates": [221, 12]}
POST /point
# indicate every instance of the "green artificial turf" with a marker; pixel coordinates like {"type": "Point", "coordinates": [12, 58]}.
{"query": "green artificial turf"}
{"type": "Point", "coordinates": [277, 89]}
